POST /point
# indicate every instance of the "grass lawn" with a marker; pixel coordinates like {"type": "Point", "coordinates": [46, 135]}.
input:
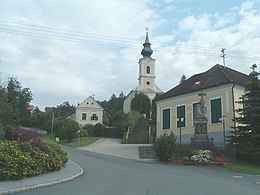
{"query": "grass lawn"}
{"type": "Point", "coordinates": [84, 141]}
{"type": "Point", "coordinates": [244, 168]}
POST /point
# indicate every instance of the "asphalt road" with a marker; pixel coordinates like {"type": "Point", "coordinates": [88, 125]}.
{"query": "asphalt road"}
{"type": "Point", "coordinates": [108, 175]}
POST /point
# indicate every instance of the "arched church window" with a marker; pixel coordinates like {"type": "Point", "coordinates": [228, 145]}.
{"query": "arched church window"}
{"type": "Point", "coordinates": [148, 70]}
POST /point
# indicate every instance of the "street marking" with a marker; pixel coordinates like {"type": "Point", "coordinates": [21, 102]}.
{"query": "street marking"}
{"type": "Point", "coordinates": [238, 177]}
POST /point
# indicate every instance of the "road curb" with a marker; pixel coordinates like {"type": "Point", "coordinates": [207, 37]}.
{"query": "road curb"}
{"type": "Point", "coordinates": [41, 185]}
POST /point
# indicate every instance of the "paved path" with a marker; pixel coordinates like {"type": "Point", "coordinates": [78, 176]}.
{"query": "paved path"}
{"type": "Point", "coordinates": [114, 147]}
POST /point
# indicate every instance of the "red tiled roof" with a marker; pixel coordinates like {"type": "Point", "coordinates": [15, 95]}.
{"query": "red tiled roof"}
{"type": "Point", "coordinates": [217, 75]}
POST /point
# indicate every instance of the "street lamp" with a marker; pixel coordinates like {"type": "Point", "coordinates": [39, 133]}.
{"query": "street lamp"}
{"type": "Point", "coordinates": [180, 120]}
{"type": "Point", "coordinates": [224, 129]}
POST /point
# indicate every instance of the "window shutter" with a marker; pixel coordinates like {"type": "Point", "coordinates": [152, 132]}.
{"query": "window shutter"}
{"type": "Point", "coordinates": [216, 110]}
{"type": "Point", "coordinates": [166, 118]}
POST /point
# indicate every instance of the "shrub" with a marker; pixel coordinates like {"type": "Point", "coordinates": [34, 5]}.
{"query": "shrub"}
{"type": "Point", "coordinates": [89, 128]}
{"type": "Point", "coordinates": [65, 129]}
{"type": "Point", "coordinates": [21, 159]}
{"type": "Point", "coordinates": [98, 128]}
{"type": "Point", "coordinates": [164, 145]}
{"type": "Point", "coordinates": [22, 134]}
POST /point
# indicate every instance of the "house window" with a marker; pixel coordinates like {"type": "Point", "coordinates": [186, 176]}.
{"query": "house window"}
{"type": "Point", "coordinates": [166, 118]}
{"type": "Point", "coordinates": [181, 116]}
{"type": "Point", "coordinates": [94, 117]}
{"type": "Point", "coordinates": [148, 69]}
{"type": "Point", "coordinates": [216, 110]}
{"type": "Point", "coordinates": [84, 116]}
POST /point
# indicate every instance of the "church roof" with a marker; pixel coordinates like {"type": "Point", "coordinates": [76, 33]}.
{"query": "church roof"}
{"type": "Point", "coordinates": [216, 76]}
{"type": "Point", "coordinates": [147, 51]}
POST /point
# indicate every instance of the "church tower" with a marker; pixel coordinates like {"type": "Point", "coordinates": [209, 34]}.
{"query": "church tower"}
{"type": "Point", "coordinates": [146, 67]}
{"type": "Point", "coordinates": [146, 76]}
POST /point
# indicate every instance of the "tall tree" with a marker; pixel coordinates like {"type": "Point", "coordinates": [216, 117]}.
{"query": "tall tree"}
{"type": "Point", "coordinates": [246, 137]}
{"type": "Point", "coordinates": [64, 110]}
{"type": "Point", "coordinates": [113, 105]}
{"type": "Point", "coordinates": [132, 119]}
{"type": "Point", "coordinates": [18, 99]}
{"type": "Point", "coordinates": [183, 78]}
{"type": "Point", "coordinates": [141, 103]}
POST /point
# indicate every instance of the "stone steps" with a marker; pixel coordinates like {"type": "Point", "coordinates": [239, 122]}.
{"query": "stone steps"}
{"type": "Point", "coordinates": [140, 134]}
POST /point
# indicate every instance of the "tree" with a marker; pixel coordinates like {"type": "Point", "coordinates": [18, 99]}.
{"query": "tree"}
{"type": "Point", "coordinates": [14, 102]}
{"type": "Point", "coordinates": [113, 106]}
{"type": "Point", "coordinates": [119, 120]}
{"type": "Point", "coordinates": [141, 103]}
{"type": "Point", "coordinates": [65, 128]}
{"type": "Point", "coordinates": [246, 135]}
{"type": "Point", "coordinates": [153, 114]}
{"type": "Point", "coordinates": [132, 119]}
{"type": "Point", "coordinates": [183, 78]}
{"type": "Point", "coordinates": [64, 110]}
{"type": "Point", "coordinates": [35, 118]}
{"type": "Point", "coordinates": [98, 128]}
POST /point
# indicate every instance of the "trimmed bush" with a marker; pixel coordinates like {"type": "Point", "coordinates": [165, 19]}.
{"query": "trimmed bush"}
{"type": "Point", "coordinates": [164, 146]}
{"type": "Point", "coordinates": [29, 158]}
{"type": "Point", "coordinates": [26, 155]}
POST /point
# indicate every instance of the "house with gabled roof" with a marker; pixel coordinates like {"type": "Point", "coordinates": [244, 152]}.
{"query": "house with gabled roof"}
{"type": "Point", "coordinates": [222, 87]}
{"type": "Point", "coordinates": [89, 112]}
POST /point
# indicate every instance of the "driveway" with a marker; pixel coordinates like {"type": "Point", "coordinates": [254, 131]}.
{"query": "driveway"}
{"type": "Point", "coordinates": [114, 147]}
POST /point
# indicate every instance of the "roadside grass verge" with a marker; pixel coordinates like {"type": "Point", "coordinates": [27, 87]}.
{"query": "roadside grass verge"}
{"type": "Point", "coordinates": [244, 168]}
{"type": "Point", "coordinates": [84, 141]}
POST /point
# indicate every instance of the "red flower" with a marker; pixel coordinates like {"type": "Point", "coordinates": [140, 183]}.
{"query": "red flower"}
{"type": "Point", "coordinates": [177, 161]}
{"type": "Point", "coordinates": [221, 160]}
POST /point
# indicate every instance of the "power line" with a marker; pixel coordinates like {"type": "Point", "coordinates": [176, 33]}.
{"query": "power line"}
{"type": "Point", "coordinates": [89, 38]}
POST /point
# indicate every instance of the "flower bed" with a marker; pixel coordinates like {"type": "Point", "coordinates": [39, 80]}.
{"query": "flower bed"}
{"type": "Point", "coordinates": [200, 157]}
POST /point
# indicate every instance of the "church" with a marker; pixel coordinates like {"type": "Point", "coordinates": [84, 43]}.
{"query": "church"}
{"type": "Point", "coordinates": [146, 77]}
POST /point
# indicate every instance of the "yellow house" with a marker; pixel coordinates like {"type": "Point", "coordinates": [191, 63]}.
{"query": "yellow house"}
{"type": "Point", "coordinates": [89, 112]}
{"type": "Point", "coordinates": [221, 87]}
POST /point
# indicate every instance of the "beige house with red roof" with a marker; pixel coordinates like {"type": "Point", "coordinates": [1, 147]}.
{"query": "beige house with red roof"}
{"type": "Point", "coordinates": [223, 88]}
{"type": "Point", "coordinates": [89, 112]}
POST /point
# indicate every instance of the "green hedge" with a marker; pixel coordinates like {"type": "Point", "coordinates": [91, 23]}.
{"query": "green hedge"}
{"type": "Point", "coordinates": [29, 158]}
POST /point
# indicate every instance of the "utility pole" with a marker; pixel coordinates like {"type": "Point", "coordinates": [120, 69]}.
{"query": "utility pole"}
{"type": "Point", "coordinates": [223, 56]}
{"type": "Point", "coordinates": [52, 122]}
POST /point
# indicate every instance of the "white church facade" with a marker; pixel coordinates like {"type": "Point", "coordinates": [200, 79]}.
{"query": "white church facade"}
{"type": "Point", "coordinates": [146, 77]}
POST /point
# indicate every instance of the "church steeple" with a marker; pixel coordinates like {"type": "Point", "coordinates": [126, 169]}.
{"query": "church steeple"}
{"type": "Point", "coordinates": [147, 51]}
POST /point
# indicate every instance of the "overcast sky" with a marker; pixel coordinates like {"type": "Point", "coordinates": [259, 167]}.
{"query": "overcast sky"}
{"type": "Point", "coordinates": [67, 50]}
